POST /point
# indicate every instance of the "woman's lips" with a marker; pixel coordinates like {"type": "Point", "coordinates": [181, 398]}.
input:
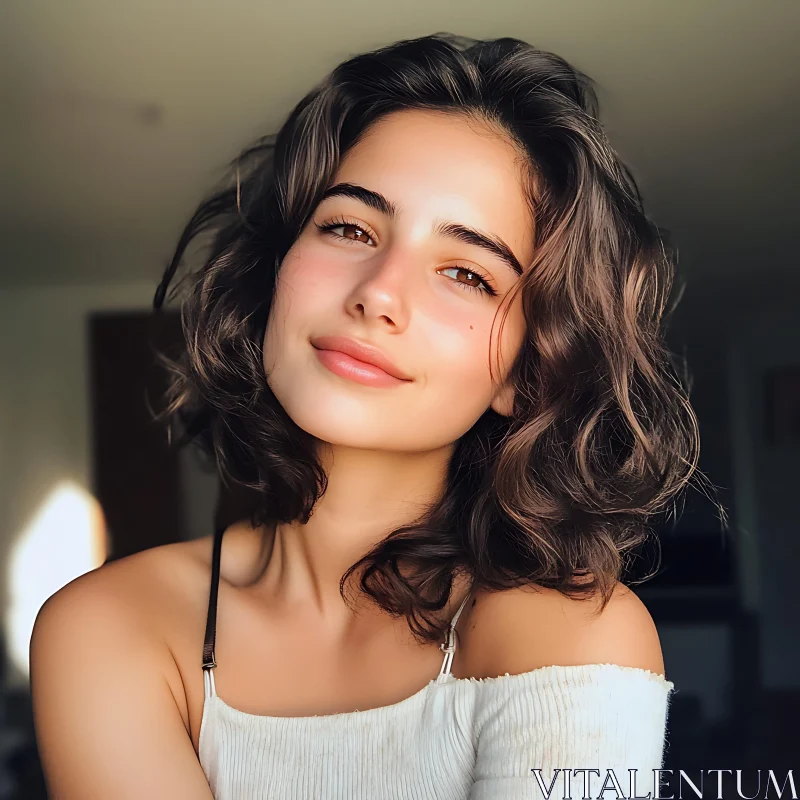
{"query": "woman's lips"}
{"type": "Point", "coordinates": [359, 371]}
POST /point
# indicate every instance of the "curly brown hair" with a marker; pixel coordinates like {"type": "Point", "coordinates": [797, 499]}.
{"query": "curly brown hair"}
{"type": "Point", "coordinates": [602, 434]}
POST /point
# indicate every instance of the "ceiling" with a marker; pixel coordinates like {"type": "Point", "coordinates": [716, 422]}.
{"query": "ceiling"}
{"type": "Point", "coordinates": [120, 115]}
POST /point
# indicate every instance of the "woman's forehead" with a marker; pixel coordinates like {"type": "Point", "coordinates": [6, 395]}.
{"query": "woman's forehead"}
{"type": "Point", "coordinates": [435, 136]}
{"type": "Point", "coordinates": [445, 165]}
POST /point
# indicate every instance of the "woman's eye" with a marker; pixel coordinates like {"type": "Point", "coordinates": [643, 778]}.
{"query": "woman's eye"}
{"type": "Point", "coordinates": [353, 233]}
{"type": "Point", "coordinates": [474, 281]}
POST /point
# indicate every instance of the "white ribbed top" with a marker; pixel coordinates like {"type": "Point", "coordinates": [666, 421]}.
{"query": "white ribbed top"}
{"type": "Point", "coordinates": [455, 739]}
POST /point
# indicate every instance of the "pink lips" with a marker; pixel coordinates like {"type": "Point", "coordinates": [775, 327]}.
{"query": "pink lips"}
{"type": "Point", "coordinates": [360, 362]}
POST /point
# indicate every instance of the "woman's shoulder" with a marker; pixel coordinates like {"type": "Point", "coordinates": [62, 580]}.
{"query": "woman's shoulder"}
{"type": "Point", "coordinates": [517, 631]}
{"type": "Point", "coordinates": [106, 655]}
{"type": "Point", "coordinates": [589, 684]}
{"type": "Point", "coordinates": [138, 598]}
{"type": "Point", "coordinates": [141, 616]}
{"type": "Point", "coordinates": [167, 574]}
{"type": "Point", "coordinates": [163, 586]}
{"type": "Point", "coordinates": [134, 585]}
{"type": "Point", "coordinates": [148, 608]}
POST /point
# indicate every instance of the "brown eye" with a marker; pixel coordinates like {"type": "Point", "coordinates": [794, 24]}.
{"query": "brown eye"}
{"type": "Point", "coordinates": [358, 234]}
{"type": "Point", "coordinates": [475, 281]}
{"type": "Point", "coordinates": [349, 231]}
{"type": "Point", "coordinates": [472, 278]}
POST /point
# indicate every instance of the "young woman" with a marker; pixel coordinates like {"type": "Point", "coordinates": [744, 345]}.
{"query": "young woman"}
{"type": "Point", "coordinates": [427, 334]}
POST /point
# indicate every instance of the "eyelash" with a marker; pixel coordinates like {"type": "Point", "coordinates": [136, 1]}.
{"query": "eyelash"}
{"type": "Point", "coordinates": [329, 227]}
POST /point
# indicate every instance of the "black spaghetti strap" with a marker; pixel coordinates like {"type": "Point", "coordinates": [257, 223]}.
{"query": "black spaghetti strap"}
{"type": "Point", "coordinates": [209, 661]}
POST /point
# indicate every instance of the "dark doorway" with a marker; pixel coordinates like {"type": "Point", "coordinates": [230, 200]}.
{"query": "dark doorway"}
{"type": "Point", "coordinates": [135, 470]}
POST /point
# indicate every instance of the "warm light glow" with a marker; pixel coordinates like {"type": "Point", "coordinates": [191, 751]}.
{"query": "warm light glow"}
{"type": "Point", "coordinates": [66, 539]}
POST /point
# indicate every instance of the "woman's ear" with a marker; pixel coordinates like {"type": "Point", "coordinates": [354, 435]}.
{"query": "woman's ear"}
{"type": "Point", "coordinates": [503, 402]}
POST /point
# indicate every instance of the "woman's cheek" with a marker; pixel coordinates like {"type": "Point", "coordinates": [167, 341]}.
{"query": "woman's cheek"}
{"type": "Point", "coordinates": [307, 285]}
{"type": "Point", "coordinates": [468, 363]}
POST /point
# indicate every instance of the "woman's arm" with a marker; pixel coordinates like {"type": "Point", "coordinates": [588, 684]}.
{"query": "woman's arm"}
{"type": "Point", "coordinates": [107, 723]}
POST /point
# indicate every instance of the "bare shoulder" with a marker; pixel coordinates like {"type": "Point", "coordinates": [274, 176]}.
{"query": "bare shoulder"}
{"type": "Point", "coordinates": [157, 598]}
{"type": "Point", "coordinates": [148, 590]}
{"type": "Point", "coordinates": [129, 590]}
{"type": "Point", "coordinates": [131, 599]}
{"type": "Point", "coordinates": [522, 629]}
{"type": "Point", "coordinates": [106, 690]}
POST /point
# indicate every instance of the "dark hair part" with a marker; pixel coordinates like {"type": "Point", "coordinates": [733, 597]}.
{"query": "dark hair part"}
{"type": "Point", "coordinates": [602, 435]}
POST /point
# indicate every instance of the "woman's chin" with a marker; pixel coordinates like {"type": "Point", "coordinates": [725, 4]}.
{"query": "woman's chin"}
{"type": "Point", "coordinates": [357, 431]}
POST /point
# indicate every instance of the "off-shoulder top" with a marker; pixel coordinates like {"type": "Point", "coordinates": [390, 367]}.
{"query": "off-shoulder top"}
{"type": "Point", "coordinates": [504, 738]}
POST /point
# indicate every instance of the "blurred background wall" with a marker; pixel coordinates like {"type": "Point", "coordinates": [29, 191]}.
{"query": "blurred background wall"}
{"type": "Point", "coordinates": [119, 116]}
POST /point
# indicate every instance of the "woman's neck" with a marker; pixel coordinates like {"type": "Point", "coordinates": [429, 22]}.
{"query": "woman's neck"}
{"type": "Point", "coordinates": [368, 495]}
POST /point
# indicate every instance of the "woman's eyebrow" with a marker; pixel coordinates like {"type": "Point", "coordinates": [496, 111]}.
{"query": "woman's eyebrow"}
{"type": "Point", "coordinates": [452, 230]}
{"type": "Point", "coordinates": [372, 199]}
{"type": "Point", "coordinates": [492, 244]}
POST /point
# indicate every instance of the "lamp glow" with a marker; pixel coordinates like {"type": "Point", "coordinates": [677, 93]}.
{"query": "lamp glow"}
{"type": "Point", "coordinates": [66, 539]}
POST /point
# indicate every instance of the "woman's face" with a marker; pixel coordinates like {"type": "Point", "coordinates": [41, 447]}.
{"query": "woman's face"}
{"type": "Point", "coordinates": [427, 217]}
